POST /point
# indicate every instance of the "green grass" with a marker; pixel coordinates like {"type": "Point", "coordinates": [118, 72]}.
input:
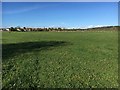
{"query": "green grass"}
{"type": "Point", "coordinates": [60, 59]}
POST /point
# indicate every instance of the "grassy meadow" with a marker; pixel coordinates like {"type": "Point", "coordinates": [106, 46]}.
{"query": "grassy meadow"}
{"type": "Point", "coordinates": [60, 59]}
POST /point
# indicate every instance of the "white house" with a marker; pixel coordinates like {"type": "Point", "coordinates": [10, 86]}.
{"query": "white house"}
{"type": "Point", "coordinates": [7, 29]}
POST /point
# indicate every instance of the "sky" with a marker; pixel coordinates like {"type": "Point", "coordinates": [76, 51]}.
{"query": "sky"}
{"type": "Point", "coordinates": [59, 14]}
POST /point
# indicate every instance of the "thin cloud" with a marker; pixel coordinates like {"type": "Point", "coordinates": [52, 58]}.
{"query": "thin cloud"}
{"type": "Point", "coordinates": [25, 9]}
{"type": "Point", "coordinates": [101, 25]}
{"type": "Point", "coordinates": [93, 26]}
{"type": "Point", "coordinates": [20, 10]}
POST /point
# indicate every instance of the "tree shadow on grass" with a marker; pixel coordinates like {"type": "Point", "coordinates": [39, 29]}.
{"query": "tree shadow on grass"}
{"type": "Point", "coordinates": [10, 50]}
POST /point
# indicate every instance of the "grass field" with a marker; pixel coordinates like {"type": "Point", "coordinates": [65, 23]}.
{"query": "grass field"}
{"type": "Point", "coordinates": [60, 59]}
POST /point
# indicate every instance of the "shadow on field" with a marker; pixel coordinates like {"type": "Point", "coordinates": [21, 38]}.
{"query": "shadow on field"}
{"type": "Point", "coordinates": [9, 50]}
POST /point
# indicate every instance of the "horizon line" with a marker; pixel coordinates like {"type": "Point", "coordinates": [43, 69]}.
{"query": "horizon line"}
{"type": "Point", "coordinates": [64, 27]}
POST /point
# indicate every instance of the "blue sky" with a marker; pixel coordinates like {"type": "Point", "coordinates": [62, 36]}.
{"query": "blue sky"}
{"type": "Point", "coordinates": [59, 14]}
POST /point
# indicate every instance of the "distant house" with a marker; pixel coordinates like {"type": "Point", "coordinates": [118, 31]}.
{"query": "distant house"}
{"type": "Point", "coordinates": [5, 29]}
{"type": "Point", "coordinates": [18, 29]}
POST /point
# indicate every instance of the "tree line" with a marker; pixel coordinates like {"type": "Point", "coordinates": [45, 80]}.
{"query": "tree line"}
{"type": "Point", "coordinates": [25, 29]}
